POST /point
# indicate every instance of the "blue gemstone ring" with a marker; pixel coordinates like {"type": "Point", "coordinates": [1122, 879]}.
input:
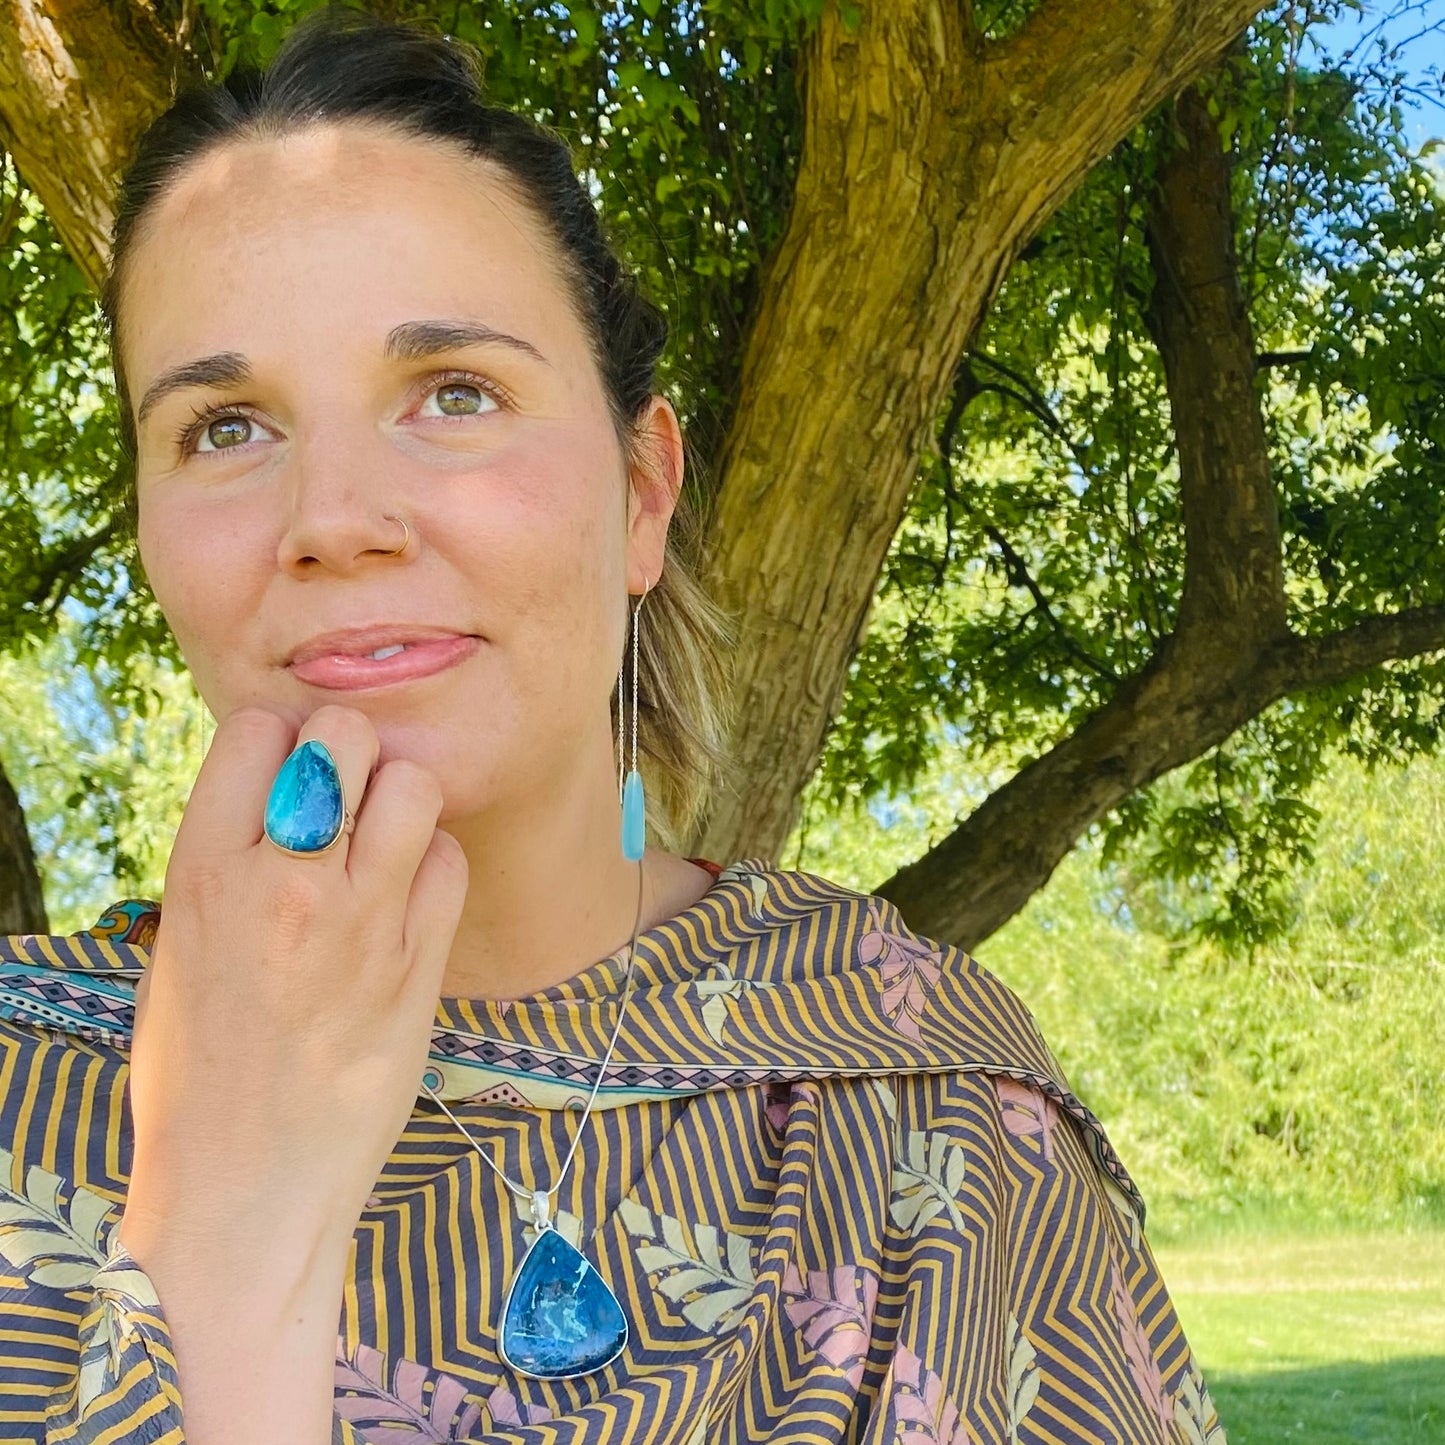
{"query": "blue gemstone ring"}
{"type": "Point", "coordinates": [306, 814]}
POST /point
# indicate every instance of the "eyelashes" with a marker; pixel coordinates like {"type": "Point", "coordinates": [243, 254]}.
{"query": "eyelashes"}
{"type": "Point", "coordinates": [188, 435]}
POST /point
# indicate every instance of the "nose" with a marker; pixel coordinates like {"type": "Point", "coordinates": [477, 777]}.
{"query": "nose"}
{"type": "Point", "coordinates": [342, 506]}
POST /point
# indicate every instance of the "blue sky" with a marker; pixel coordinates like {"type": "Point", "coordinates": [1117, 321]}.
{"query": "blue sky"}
{"type": "Point", "coordinates": [1417, 27]}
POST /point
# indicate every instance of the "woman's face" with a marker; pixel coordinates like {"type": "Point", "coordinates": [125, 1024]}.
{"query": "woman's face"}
{"type": "Point", "coordinates": [341, 324]}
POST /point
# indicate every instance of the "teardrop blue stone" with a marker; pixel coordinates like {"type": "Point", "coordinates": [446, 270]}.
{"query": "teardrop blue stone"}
{"type": "Point", "coordinates": [634, 818]}
{"type": "Point", "coordinates": [561, 1318]}
{"type": "Point", "coordinates": [304, 811]}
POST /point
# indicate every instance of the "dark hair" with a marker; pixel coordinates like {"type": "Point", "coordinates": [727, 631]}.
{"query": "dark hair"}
{"type": "Point", "coordinates": [340, 64]}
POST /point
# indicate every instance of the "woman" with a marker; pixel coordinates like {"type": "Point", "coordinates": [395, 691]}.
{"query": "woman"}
{"type": "Point", "coordinates": [455, 1112]}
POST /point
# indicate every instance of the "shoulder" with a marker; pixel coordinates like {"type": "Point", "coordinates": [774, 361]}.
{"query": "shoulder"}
{"type": "Point", "coordinates": [963, 1033]}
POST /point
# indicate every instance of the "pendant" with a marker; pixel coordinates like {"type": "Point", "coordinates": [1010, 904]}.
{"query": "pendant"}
{"type": "Point", "coordinates": [560, 1319]}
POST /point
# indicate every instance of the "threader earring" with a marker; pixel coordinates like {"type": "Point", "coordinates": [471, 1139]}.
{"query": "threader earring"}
{"type": "Point", "coordinates": [634, 805]}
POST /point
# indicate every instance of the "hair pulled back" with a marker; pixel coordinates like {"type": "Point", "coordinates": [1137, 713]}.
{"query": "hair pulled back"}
{"type": "Point", "coordinates": [339, 64]}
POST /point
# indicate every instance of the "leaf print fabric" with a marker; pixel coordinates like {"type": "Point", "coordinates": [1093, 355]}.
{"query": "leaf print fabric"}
{"type": "Point", "coordinates": [693, 1271]}
{"type": "Point", "coordinates": [927, 1175]}
{"type": "Point", "coordinates": [817, 1179]}
{"type": "Point", "coordinates": [834, 1309]}
{"type": "Point", "coordinates": [908, 971]}
{"type": "Point", "coordinates": [51, 1245]}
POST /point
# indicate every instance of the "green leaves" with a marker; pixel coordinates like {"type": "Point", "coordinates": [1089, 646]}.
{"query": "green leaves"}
{"type": "Point", "coordinates": [1042, 560]}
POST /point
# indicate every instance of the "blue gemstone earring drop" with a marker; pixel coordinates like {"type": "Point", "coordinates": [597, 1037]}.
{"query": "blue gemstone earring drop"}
{"type": "Point", "coordinates": [634, 805]}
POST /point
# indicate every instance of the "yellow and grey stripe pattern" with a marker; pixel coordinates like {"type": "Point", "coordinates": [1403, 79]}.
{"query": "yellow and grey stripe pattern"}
{"type": "Point", "coordinates": [835, 1177]}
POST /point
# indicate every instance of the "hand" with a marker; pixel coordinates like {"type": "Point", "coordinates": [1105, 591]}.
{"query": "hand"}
{"type": "Point", "coordinates": [283, 1022]}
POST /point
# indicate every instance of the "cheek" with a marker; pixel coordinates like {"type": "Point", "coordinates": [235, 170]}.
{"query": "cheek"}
{"type": "Point", "coordinates": [202, 570]}
{"type": "Point", "coordinates": [543, 548]}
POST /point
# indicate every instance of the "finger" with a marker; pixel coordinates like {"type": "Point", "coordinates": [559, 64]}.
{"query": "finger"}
{"type": "Point", "coordinates": [228, 803]}
{"type": "Point", "coordinates": [394, 828]}
{"type": "Point", "coordinates": [433, 911]}
{"type": "Point", "coordinates": [350, 740]}
{"type": "Point", "coordinates": [350, 737]}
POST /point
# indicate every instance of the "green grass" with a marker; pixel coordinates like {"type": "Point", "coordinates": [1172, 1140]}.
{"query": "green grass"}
{"type": "Point", "coordinates": [1333, 1339]}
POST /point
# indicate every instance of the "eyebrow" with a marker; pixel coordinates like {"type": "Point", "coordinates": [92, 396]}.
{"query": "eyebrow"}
{"type": "Point", "coordinates": [416, 340]}
{"type": "Point", "coordinates": [411, 341]}
{"type": "Point", "coordinates": [225, 368]}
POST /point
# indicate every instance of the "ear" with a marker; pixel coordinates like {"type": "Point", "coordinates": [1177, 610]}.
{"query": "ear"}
{"type": "Point", "coordinates": [654, 486]}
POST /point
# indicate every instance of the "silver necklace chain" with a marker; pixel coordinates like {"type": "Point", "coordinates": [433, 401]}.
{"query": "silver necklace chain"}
{"type": "Point", "coordinates": [541, 1198]}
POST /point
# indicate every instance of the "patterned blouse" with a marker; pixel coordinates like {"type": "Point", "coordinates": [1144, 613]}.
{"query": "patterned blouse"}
{"type": "Point", "coordinates": [834, 1176]}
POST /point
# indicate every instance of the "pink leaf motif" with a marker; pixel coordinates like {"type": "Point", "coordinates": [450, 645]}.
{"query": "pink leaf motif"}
{"type": "Point", "coordinates": [834, 1309]}
{"type": "Point", "coordinates": [923, 1413]}
{"type": "Point", "coordinates": [508, 1410]}
{"type": "Point", "coordinates": [369, 1400]}
{"type": "Point", "coordinates": [1028, 1113]}
{"type": "Point", "coordinates": [1140, 1357]}
{"type": "Point", "coordinates": [776, 1100]}
{"type": "Point", "coordinates": [908, 969]}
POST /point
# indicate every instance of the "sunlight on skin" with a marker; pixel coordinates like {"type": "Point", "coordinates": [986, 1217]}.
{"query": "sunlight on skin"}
{"type": "Point", "coordinates": [302, 256]}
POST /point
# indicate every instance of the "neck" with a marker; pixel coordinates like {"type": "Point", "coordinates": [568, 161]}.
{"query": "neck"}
{"type": "Point", "coordinates": [550, 892]}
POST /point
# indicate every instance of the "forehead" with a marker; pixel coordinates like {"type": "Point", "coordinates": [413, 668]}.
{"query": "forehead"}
{"type": "Point", "coordinates": [347, 228]}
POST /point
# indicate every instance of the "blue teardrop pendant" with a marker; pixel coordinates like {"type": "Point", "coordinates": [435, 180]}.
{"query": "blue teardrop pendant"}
{"type": "Point", "coordinates": [634, 818]}
{"type": "Point", "coordinates": [560, 1319]}
{"type": "Point", "coordinates": [305, 811]}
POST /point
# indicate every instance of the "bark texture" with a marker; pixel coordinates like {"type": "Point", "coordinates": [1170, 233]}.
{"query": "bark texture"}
{"type": "Point", "coordinates": [79, 81]}
{"type": "Point", "coordinates": [22, 904]}
{"type": "Point", "coordinates": [1232, 653]}
{"type": "Point", "coordinates": [930, 157]}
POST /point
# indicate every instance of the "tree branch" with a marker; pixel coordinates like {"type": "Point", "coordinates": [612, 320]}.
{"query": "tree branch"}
{"type": "Point", "coordinates": [1305, 662]}
{"type": "Point", "coordinates": [977, 878]}
{"type": "Point", "coordinates": [930, 159]}
{"type": "Point", "coordinates": [1268, 359]}
{"type": "Point", "coordinates": [1234, 565]}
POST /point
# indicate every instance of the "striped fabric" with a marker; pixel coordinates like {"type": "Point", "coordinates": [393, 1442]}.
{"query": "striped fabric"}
{"type": "Point", "coordinates": [835, 1177]}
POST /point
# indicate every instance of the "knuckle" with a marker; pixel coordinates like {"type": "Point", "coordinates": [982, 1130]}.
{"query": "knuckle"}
{"type": "Point", "coordinates": [256, 726]}
{"type": "Point", "coordinates": [203, 883]}
{"type": "Point", "coordinates": [345, 724]}
{"type": "Point", "coordinates": [295, 904]}
{"type": "Point", "coordinates": [412, 781]}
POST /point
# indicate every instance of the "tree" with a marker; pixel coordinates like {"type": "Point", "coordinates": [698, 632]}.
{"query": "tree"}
{"type": "Point", "coordinates": [830, 201]}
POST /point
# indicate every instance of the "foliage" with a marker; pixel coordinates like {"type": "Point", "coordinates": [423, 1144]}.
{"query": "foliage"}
{"type": "Point", "coordinates": [102, 782]}
{"type": "Point", "coordinates": [1041, 560]}
{"type": "Point", "coordinates": [1043, 557]}
{"type": "Point", "coordinates": [65, 531]}
{"type": "Point", "coordinates": [1306, 1081]}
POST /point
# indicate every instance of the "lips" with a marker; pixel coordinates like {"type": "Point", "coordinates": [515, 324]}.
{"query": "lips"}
{"type": "Point", "coordinates": [342, 661]}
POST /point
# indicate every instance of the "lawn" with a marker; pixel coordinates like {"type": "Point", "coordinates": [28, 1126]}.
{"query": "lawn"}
{"type": "Point", "coordinates": [1330, 1339]}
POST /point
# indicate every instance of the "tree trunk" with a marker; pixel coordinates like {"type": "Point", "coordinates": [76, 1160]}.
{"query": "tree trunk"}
{"type": "Point", "coordinates": [22, 903]}
{"type": "Point", "coordinates": [1232, 653]}
{"type": "Point", "coordinates": [930, 157]}
{"type": "Point", "coordinates": [79, 81]}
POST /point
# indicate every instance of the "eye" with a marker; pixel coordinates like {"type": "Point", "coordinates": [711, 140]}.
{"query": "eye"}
{"type": "Point", "coordinates": [462, 395]}
{"type": "Point", "coordinates": [217, 429]}
{"type": "Point", "coordinates": [225, 432]}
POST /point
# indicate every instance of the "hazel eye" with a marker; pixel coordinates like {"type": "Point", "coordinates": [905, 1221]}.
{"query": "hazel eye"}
{"type": "Point", "coordinates": [222, 431]}
{"type": "Point", "coordinates": [457, 398]}
{"type": "Point", "coordinates": [225, 432]}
